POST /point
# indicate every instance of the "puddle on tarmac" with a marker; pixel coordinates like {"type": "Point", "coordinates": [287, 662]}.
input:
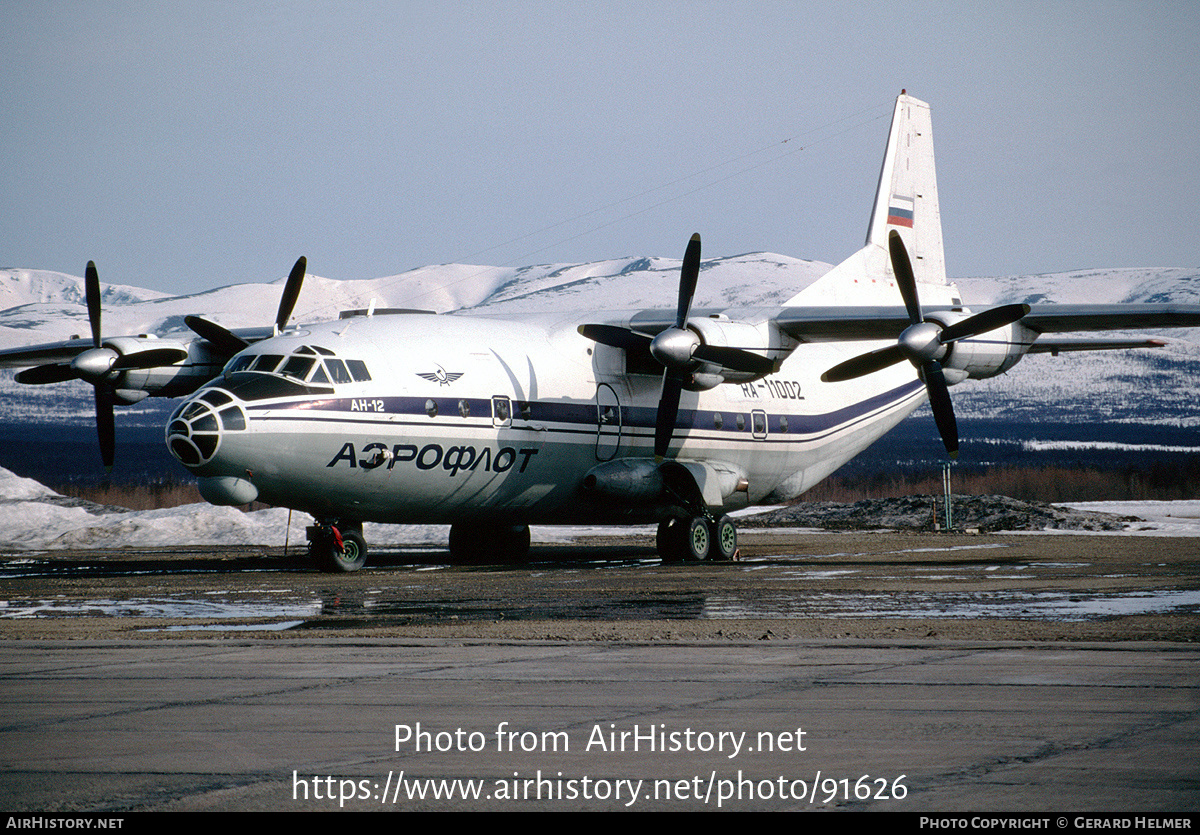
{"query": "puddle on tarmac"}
{"type": "Point", "coordinates": [284, 609]}
{"type": "Point", "coordinates": [1008, 605]}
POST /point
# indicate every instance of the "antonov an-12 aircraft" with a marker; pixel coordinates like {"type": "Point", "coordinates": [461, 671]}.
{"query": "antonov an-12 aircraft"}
{"type": "Point", "coordinates": [674, 417]}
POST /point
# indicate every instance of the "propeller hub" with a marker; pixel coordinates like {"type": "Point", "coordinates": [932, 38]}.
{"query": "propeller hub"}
{"type": "Point", "coordinates": [674, 347]}
{"type": "Point", "coordinates": [94, 364]}
{"type": "Point", "coordinates": [921, 342]}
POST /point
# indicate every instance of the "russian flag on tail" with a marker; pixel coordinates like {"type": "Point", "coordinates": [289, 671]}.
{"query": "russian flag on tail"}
{"type": "Point", "coordinates": [900, 211]}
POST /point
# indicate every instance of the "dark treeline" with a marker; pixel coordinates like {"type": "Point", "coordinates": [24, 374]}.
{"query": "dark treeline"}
{"type": "Point", "coordinates": [1160, 482]}
{"type": "Point", "coordinates": [1157, 464]}
{"type": "Point", "coordinates": [148, 496]}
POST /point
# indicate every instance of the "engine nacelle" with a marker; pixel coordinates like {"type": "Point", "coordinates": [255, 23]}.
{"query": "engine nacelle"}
{"type": "Point", "coordinates": [632, 480]}
{"type": "Point", "coordinates": [723, 332]}
{"type": "Point", "coordinates": [642, 481]}
{"type": "Point", "coordinates": [184, 377]}
{"type": "Point", "coordinates": [985, 355]}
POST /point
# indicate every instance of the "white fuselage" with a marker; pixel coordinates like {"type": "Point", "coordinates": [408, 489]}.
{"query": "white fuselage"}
{"type": "Point", "coordinates": [468, 417]}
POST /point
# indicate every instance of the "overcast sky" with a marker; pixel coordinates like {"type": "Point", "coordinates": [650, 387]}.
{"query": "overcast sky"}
{"type": "Point", "coordinates": [185, 146]}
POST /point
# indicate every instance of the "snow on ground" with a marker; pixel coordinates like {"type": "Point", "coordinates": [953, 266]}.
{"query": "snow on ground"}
{"type": "Point", "coordinates": [1180, 518]}
{"type": "Point", "coordinates": [36, 518]}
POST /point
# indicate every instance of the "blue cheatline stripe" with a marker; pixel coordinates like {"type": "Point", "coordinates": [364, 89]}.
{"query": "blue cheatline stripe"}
{"type": "Point", "coordinates": [380, 411]}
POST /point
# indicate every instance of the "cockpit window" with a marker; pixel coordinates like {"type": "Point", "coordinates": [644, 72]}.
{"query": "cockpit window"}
{"type": "Point", "coordinates": [266, 362]}
{"type": "Point", "coordinates": [337, 370]}
{"type": "Point", "coordinates": [358, 370]}
{"type": "Point", "coordinates": [297, 367]}
{"type": "Point", "coordinates": [251, 386]}
{"type": "Point", "coordinates": [240, 363]}
{"type": "Point", "coordinates": [305, 363]}
{"type": "Point", "coordinates": [216, 398]}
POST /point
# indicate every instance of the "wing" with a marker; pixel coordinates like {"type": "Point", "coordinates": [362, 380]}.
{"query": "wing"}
{"type": "Point", "coordinates": [63, 352]}
{"type": "Point", "coordinates": [1063, 318]}
{"type": "Point", "coordinates": [48, 352]}
{"type": "Point", "coordinates": [835, 324]}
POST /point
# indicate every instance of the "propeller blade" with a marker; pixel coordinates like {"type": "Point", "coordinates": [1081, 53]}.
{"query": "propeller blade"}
{"type": "Point", "coordinates": [91, 291]}
{"type": "Point", "coordinates": [863, 364]}
{"type": "Point", "coordinates": [939, 402]}
{"type": "Point", "coordinates": [988, 320]}
{"type": "Point", "coordinates": [105, 426]}
{"type": "Point", "coordinates": [616, 336]}
{"type": "Point", "coordinates": [688, 276]}
{"type": "Point", "coordinates": [225, 341]}
{"type": "Point", "coordinates": [291, 292]}
{"type": "Point", "coordinates": [905, 280]}
{"type": "Point", "coordinates": [152, 358]}
{"type": "Point", "coordinates": [668, 412]}
{"type": "Point", "coordinates": [43, 374]}
{"type": "Point", "coordinates": [920, 341]}
{"type": "Point", "coordinates": [735, 359]}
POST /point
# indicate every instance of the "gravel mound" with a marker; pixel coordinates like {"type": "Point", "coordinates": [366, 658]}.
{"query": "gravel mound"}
{"type": "Point", "coordinates": [919, 513]}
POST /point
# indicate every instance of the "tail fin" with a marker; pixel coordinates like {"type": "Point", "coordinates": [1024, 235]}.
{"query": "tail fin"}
{"type": "Point", "coordinates": [906, 200]}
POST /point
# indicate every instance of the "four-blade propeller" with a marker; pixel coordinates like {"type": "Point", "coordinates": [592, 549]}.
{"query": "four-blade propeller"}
{"type": "Point", "coordinates": [925, 343]}
{"type": "Point", "coordinates": [101, 366]}
{"type": "Point", "coordinates": [678, 349]}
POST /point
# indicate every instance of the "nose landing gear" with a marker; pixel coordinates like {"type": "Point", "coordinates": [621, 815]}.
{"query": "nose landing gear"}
{"type": "Point", "coordinates": [337, 546]}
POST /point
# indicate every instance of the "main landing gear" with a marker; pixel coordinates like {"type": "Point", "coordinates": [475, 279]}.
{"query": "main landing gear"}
{"type": "Point", "coordinates": [337, 546]}
{"type": "Point", "coordinates": [696, 539]}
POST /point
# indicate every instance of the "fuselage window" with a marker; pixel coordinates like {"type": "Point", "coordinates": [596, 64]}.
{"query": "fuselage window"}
{"type": "Point", "coordinates": [501, 410]}
{"type": "Point", "coordinates": [758, 423]}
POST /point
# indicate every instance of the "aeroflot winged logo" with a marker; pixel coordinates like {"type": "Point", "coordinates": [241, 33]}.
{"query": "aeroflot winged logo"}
{"type": "Point", "coordinates": [440, 376]}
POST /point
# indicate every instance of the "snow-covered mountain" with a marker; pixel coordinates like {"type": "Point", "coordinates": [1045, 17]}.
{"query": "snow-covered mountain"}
{"type": "Point", "coordinates": [1160, 386]}
{"type": "Point", "coordinates": [1145, 386]}
{"type": "Point", "coordinates": [40, 306]}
